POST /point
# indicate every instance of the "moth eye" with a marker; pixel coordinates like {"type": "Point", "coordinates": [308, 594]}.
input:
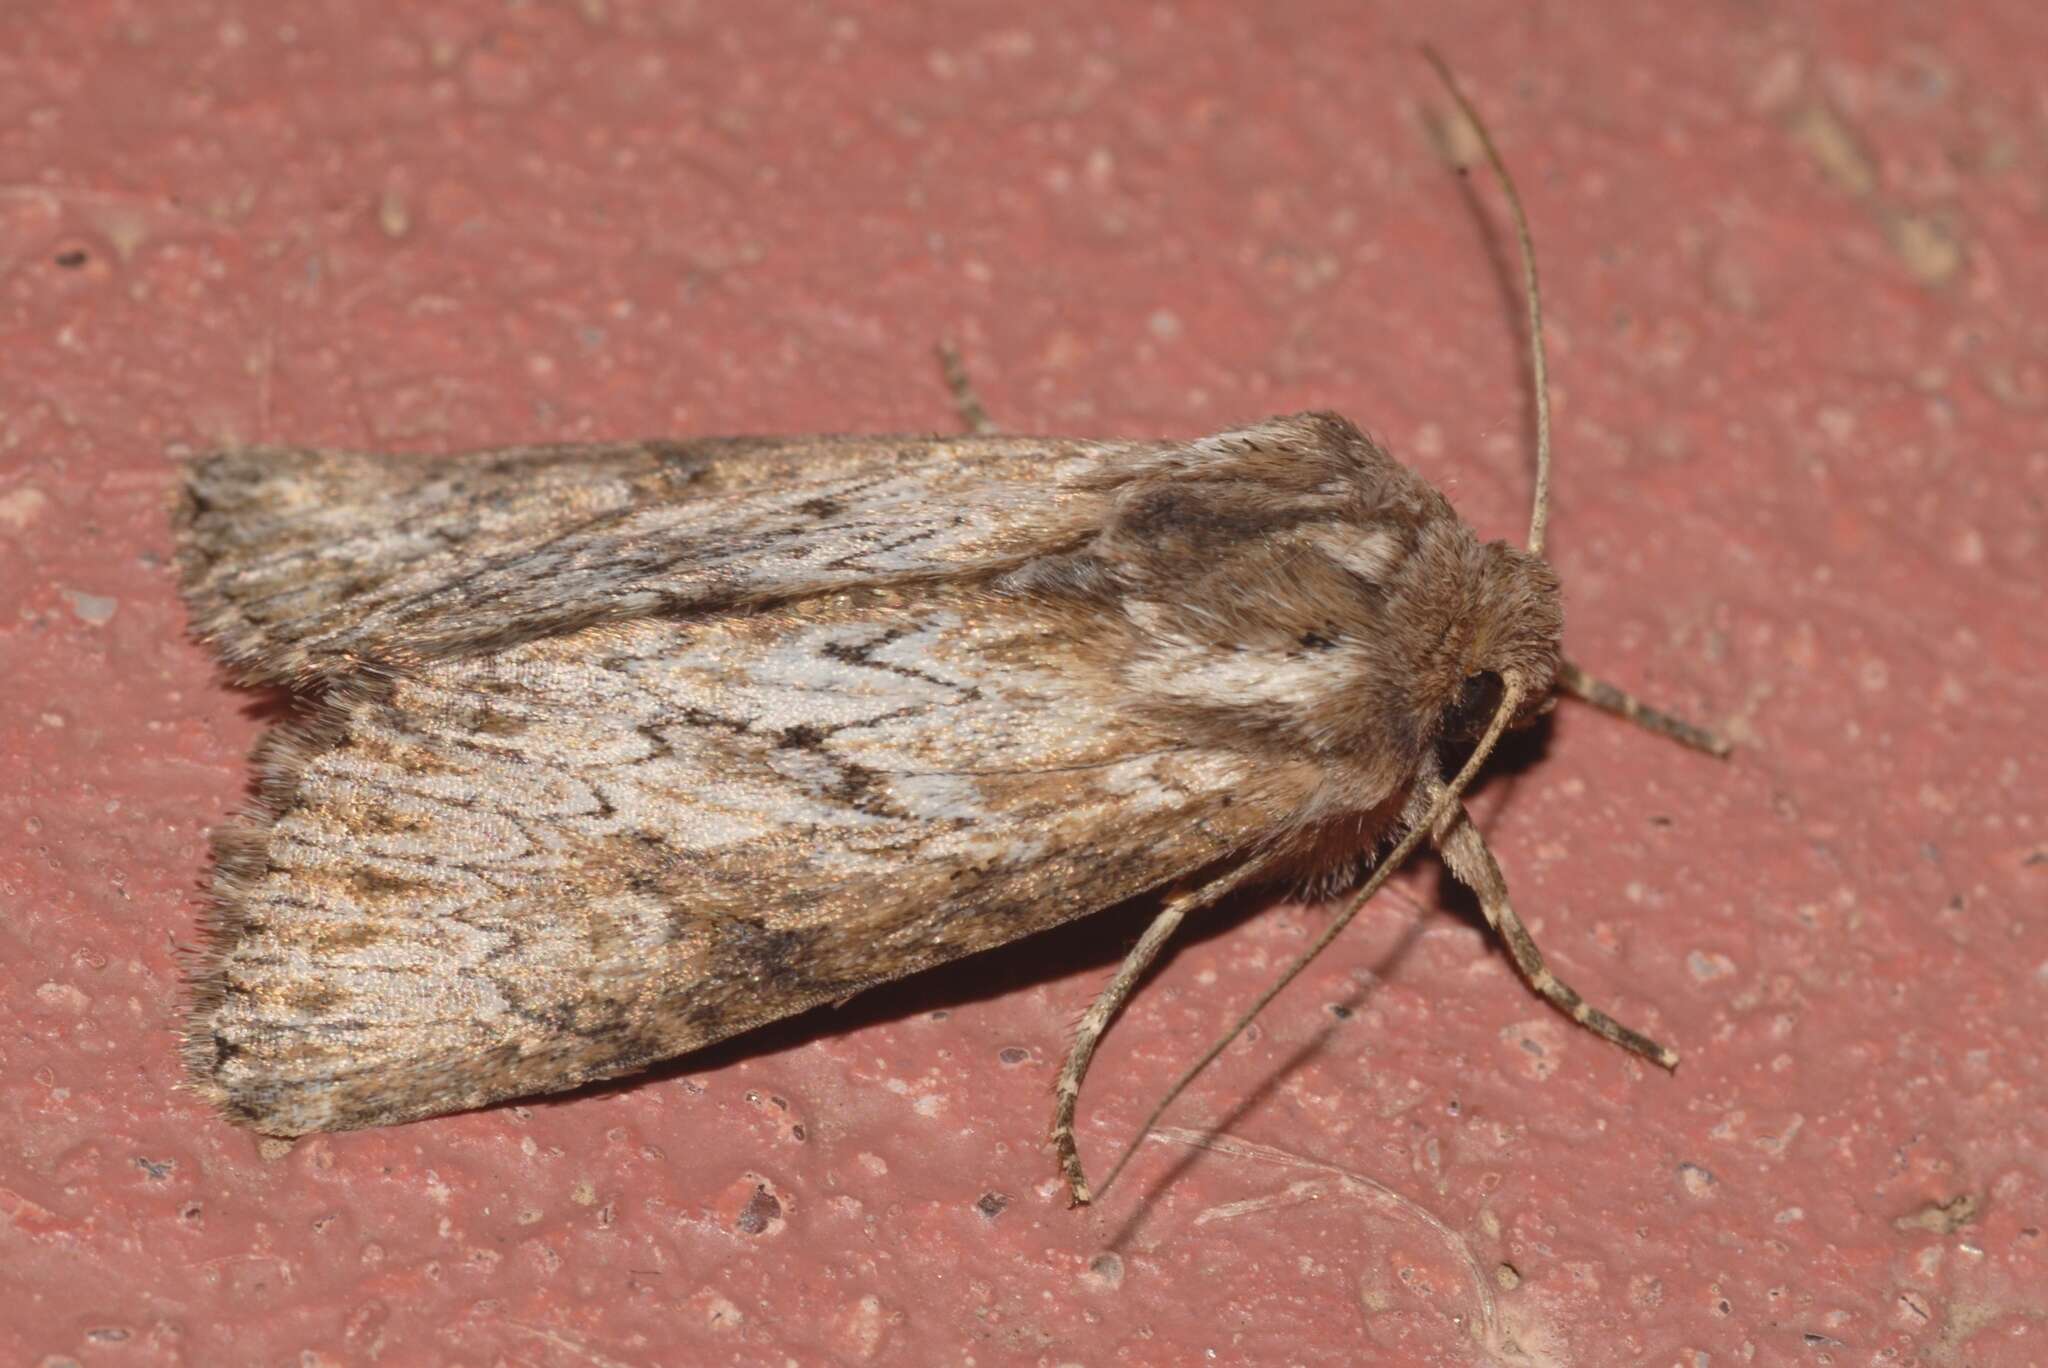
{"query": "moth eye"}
{"type": "Point", "coordinates": [1478, 698]}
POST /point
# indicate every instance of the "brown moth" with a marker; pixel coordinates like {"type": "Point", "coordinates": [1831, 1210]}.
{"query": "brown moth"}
{"type": "Point", "coordinates": [611, 752]}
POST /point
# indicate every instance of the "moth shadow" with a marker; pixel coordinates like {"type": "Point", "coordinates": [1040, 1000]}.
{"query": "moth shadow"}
{"type": "Point", "coordinates": [1340, 1012]}
{"type": "Point", "coordinates": [1519, 752]}
{"type": "Point", "coordinates": [1095, 942]}
{"type": "Point", "coordinates": [270, 704]}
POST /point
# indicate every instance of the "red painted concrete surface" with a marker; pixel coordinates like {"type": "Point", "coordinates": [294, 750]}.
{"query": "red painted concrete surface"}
{"type": "Point", "coordinates": [1795, 259]}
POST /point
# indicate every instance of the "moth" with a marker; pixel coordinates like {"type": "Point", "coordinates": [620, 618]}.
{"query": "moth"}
{"type": "Point", "coordinates": [610, 752]}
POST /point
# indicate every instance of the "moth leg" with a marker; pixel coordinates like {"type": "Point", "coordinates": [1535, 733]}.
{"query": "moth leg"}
{"type": "Point", "coordinates": [1095, 1022]}
{"type": "Point", "coordinates": [1576, 682]}
{"type": "Point", "coordinates": [1464, 851]}
{"type": "Point", "coordinates": [972, 412]}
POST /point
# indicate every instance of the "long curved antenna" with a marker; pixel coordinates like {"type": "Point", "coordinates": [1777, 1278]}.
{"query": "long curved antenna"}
{"type": "Point", "coordinates": [1571, 679]}
{"type": "Point", "coordinates": [1576, 682]}
{"type": "Point", "coordinates": [1539, 366]}
{"type": "Point", "coordinates": [1445, 804]}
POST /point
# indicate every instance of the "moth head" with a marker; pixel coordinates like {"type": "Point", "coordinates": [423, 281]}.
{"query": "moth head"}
{"type": "Point", "coordinates": [1512, 643]}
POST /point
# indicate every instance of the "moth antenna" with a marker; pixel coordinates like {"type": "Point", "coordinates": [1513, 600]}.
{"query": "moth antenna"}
{"type": "Point", "coordinates": [1445, 804]}
{"type": "Point", "coordinates": [1571, 679]}
{"type": "Point", "coordinates": [1576, 682]}
{"type": "Point", "coordinates": [1539, 366]}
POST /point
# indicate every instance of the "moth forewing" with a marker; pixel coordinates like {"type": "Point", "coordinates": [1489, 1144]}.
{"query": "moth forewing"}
{"type": "Point", "coordinates": [722, 776]}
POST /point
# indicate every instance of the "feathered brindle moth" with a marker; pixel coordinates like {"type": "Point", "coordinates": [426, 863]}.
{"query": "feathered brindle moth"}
{"type": "Point", "coordinates": [610, 752]}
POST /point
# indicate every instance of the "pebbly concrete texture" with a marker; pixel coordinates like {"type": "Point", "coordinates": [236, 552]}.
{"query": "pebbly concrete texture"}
{"type": "Point", "coordinates": [1795, 262]}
